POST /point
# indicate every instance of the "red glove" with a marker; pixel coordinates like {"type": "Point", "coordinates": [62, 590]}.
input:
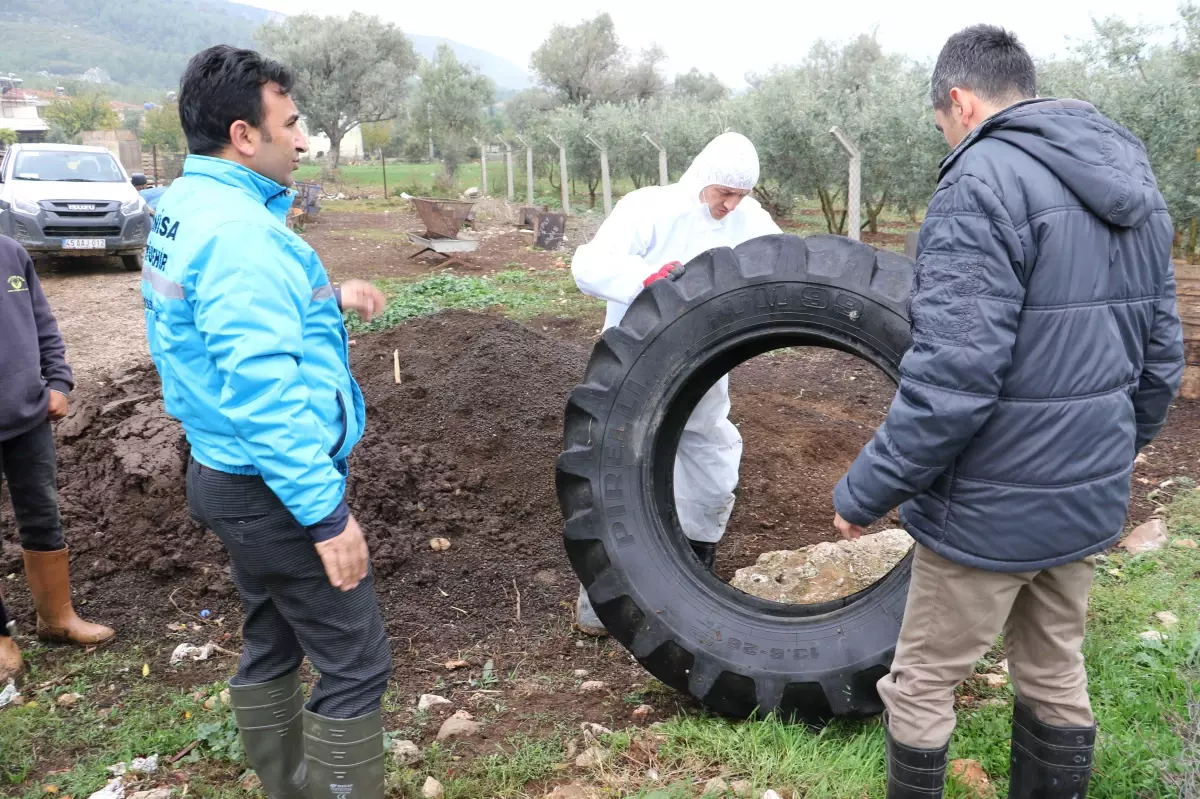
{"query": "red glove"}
{"type": "Point", "coordinates": [664, 272]}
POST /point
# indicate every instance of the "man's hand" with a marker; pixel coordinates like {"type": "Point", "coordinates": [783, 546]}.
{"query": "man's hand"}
{"type": "Point", "coordinates": [345, 557]}
{"type": "Point", "coordinates": [664, 272]}
{"type": "Point", "coordinates": [850, 532]}
{"type": "Point", "coordinates": [362, 297]}
{"type": "Point", "coordinates": [59, 407]}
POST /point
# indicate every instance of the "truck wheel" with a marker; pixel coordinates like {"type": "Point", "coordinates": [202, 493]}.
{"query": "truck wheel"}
{"type": "Point", "coordinates": [132, 263]}
{"type": "Point", "coordinates": [734, 652]}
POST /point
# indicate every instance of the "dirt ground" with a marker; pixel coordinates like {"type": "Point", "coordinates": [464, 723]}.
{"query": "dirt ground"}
{"type": "Point", "coordinates": [464, 449]}
{"type": "Point", "coordinates": [376, 245]}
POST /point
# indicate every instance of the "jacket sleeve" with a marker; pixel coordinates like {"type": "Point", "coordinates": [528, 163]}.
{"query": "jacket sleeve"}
{"type": "Point", "coordinates": [965, 309]}
{"type": "Point", "coordinates": [250, 298]}
{"type": "Point", "coordinates": [1162, 371]}
{"type": "Point", "coordinates": [611, 266]}
{"type": "Point", "coordinates": [55, 370]}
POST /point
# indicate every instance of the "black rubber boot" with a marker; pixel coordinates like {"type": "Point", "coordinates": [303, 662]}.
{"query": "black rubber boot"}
{"type": "Point", "coordinates": [268, 717]}
{"type": "Point", "coordinates": [706, 552]}
{"type": "Point", "coordinates": [914, 773]}
{"type": "Point", "coordinates": [345, 756]}
{"type": "Point", "coordinates": [1049, 762]}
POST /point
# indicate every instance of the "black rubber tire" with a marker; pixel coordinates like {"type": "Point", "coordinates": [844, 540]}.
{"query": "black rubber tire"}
{"type": "Point", "coordinates": [735, 653]}
{"type": "Point", "coordinates": [132, 263]}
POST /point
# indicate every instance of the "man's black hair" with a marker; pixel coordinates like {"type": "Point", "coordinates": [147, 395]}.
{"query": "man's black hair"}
{"type": "Point", "coordinates": [220, 86]}
{"type": "Point", "coordinates": [988, 61]}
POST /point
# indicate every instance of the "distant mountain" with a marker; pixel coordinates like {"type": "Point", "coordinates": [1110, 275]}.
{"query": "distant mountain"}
{"type": "Point", "coordinates": [505, 74]}
{"type": "Point", "coordinates": [134, 42]}
{"type": "Point", "coordinates": [147, 43]}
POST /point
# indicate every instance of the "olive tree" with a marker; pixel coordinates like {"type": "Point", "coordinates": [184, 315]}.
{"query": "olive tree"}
{"type": "Point", "coordinates": [452, 96]}
{"type": "Point", "coordinates": [349, 72]}
{"type": "Point", "coordinates": [879, 100]}
{"type": "Point", "coordinates": [1152, 90]}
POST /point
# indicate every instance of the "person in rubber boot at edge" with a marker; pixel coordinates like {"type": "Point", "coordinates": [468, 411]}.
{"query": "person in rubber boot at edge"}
{"type": "Point", "coordinates": [35, 380]}
{"type": "Point", "coordinates": [650, 233]}
{"type": "Point", "coordinates": [247, 335]}
{"type": "Point", "coordinates": [1046, 351]}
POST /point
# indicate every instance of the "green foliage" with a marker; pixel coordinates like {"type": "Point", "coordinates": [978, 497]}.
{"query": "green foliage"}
{"type": "Point", "coordinates": [520, 294]}
{"type": "Point", "coordinates": [73, 115]}
{"type": "Point", "coordinates": [376, 137]}
{"type": "Point", "coordinates": [696, 85]}
{"type": "Point", "coordinates": [586, 63]}
{"type": "Point", "coordinates": [139, 42]}
{"type": "Point", "coordinates": [349, 71]}
{"type": "Point", "coordinates": [451, 99]}
{"type": "Point", "coordinates": [1150, 89]}
{"type": "Point", "coordinates": [879, 100]}
{"type": "Point", "coordinates": [161, 128]}
{"type": "Point", "coordinates": [221, 739]}
{"type": "Point", "coordinates": [8, 136]}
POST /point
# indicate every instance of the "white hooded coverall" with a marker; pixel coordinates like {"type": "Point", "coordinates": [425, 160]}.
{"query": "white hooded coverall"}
{"type": "Point", "coordinates": [648, 229]}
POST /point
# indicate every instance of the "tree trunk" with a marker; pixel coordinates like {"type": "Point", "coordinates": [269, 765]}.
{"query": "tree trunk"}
{"type": "Point", "coordinates": [335, 147]}
{"type": "Point", "coordinates": [592, 184]}
{"type": "Point", "coordinates": [637, 181]}
{"type": "Point", "coordinates": [874, 212]}
{"type": "Point", "coordinates": [1193, 255]}
{"type": "Point", "coordinates": [833, 223]}
{"type": "Point", "coordinates": [553, 185]}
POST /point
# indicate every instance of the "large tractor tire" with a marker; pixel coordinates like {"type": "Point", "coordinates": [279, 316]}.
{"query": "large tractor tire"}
{"type": "Point", "coordinates": [736, 653]}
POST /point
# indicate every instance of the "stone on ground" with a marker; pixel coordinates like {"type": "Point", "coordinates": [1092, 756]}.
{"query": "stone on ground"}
{"type": "Point", "coordinates": [405, 753]}
{"type": "Point", "coordinates": [1146, 538]}
{"type": "Point", "coordinates": [970, 775]}
{"type": "Point", "coordinates": [428, 701]}
{"type": "Point", "coordinates": [825, 571]}
{"type": "Point", "coordinates": [460, 725]}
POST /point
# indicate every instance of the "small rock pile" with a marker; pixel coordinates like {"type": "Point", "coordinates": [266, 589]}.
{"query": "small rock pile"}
{"type": "Point", "coordinates": [825, 571]}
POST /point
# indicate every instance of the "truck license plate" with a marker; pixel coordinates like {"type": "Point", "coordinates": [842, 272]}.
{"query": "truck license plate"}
{"type": "Point", "coordinates": [83, 244]}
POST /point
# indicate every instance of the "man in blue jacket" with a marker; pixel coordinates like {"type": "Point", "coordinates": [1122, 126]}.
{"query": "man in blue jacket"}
{"type": "Point", "coordinates": [247, 335]}
{"type": "Point", "coordinates": [1046, 351]}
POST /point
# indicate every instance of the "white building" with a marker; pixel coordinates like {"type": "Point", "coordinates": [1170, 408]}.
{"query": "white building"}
{"type": "Point", "coordinates": [19, 111]}
{"type": "Point", "coordinates": [319, 146]}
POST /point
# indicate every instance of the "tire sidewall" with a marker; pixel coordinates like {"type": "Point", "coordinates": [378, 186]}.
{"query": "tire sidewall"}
{"type": "Point", "coordinates": [746, 636]}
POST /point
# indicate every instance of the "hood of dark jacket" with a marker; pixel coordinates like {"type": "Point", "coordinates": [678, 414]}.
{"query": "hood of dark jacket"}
{"type": "Point", "coordinates": [1101, 162]}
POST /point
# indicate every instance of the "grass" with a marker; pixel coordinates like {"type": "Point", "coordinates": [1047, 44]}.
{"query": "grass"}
{"type": "Point", "coordinates": [519, 294]}
{"type": "Point", "coordinates": [48, 748]}
{"type": "Point", "coordinates": [1140, 691]}
{"type": "Point", "coordinates": [419, 180]}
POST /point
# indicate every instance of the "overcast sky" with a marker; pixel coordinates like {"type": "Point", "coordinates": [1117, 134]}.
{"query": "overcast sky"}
{"type": "Point", "coordinates": [733, 38]}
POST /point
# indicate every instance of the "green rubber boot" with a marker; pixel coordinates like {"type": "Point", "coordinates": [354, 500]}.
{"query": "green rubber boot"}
{"type": "Point", "coordinates": [268, 717]}
{"type": "Point", "coordinates": [345, 756]}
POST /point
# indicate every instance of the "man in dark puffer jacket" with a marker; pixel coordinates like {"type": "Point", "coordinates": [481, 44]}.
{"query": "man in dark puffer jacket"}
{"type": "Point", "coordinates": [1046, 351]}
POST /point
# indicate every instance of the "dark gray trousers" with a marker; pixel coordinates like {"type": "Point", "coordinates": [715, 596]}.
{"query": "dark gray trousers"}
{"type": "Point", "coordinates": [29, 465]}
{"type": "Point", "coordinates": [290, 608]}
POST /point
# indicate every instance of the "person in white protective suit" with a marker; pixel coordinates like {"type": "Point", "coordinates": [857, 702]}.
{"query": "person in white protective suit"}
{"type": "Point", "coordinates": [650, 232]}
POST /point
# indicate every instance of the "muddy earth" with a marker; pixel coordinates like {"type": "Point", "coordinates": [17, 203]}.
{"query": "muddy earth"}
{"type": "Point", "coordinates": [463, 449]}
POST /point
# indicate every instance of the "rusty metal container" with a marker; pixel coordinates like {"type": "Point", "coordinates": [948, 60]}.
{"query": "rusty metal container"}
{"type": "Point", "coordinates": [1187, 281]}
{"type": "Point", "coordinates": [443, 218]}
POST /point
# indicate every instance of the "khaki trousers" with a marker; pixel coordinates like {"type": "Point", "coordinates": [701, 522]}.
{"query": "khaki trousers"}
{"type": "Point", "coordinates": [952, 618]}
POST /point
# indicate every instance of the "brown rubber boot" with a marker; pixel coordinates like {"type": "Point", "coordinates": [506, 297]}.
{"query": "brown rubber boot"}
{"type": "Point", "coordinates": [50, 585]}
{"type": "Point", "coordinates": [10, 657]}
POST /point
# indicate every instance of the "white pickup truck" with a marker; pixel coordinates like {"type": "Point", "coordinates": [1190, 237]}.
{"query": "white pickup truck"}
{"type": "Point", "coordinates": [66, 199]}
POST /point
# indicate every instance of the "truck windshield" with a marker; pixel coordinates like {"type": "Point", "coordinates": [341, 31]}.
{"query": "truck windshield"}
{"type": "Point", "coordinates": [63, 165]}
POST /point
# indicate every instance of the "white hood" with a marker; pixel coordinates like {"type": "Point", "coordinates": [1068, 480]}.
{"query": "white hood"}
{"type": "Point", "coordinates": [729, 160]}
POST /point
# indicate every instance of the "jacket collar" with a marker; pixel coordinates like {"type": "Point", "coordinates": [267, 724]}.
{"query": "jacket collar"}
{"type": "Point", "coordinates": [988, 125]}
{"type": "Point", "coordinates": [277, 198]}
